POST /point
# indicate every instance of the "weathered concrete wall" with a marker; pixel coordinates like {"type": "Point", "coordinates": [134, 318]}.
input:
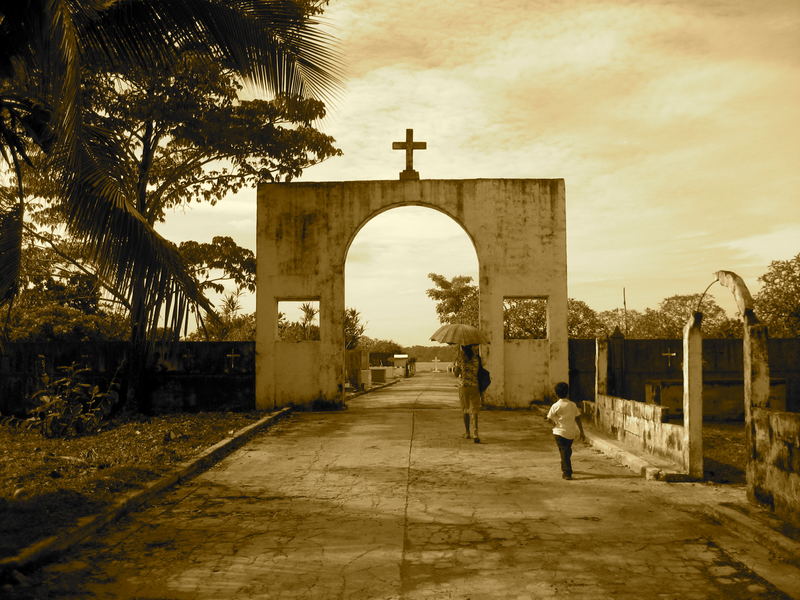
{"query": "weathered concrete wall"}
{"type": "Point", "coordinates": [292, 363]}
{"type": "Point", "coordinates": [774, 466]}
{"type": "Point", "coordinates": [518, 228]}
{"type": "Point", "coordinates": [640, 427]}
{"type": "Point", "coordinates": [527, 371]}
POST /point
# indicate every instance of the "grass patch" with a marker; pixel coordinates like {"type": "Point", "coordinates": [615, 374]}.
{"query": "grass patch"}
{"type": "Point", "coordinates": [48, 484]}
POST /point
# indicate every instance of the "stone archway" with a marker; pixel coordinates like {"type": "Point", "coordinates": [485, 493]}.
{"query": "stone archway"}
{"type": "Point", "coordinates": [518, 227]}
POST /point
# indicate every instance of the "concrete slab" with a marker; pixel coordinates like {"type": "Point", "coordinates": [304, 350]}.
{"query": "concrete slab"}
{"type": "Point", "coordinates": [387, 500]}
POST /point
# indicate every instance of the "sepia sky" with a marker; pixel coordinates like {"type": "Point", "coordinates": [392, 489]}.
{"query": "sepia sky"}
{"type": "Point", "coordinates": [675, 125]}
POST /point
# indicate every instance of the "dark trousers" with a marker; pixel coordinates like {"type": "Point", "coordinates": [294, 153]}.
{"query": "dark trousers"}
{"type": "Point", "coordinates": [565, 450]}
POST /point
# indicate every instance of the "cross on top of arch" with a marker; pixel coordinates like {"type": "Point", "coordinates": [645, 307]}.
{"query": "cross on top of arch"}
{"type": "Point", "coordinates": [409, 146]}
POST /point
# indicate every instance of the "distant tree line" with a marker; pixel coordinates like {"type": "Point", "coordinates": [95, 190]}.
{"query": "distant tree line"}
{"type": "Point", "coordinates": [777, 305]}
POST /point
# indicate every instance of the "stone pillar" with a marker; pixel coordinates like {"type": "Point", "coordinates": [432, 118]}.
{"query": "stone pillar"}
{"type": "Point", "coordinates": [756, 389]}
{"type": "Point", "coordinates": [600, 367]}
{"type": "Point", "coordinates": [693, 396]}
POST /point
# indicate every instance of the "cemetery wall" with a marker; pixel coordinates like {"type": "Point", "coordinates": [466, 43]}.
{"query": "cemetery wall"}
{"type": "Point", "coordinates": [637, 365]}
{"type": "Point", "coordinates": [196, 367]}
{"type": "Point", "coordinates": [774, 469]}
{"type": "Point", "coordinates": [581, 369]}
{"type": "Point", "coordinates": [182, 376]}
{"type": "Point", "coordinates": [643, 428]}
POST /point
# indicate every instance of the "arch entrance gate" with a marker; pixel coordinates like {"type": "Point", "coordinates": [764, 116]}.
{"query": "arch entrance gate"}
{"type": "Point", "coordinates": [518, 227]}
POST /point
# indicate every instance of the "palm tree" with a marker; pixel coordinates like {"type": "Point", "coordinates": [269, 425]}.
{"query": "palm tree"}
{"type": "Point", "coordinates": [307, 324]}
{"type": "Point", "coordinates": [274, 44]}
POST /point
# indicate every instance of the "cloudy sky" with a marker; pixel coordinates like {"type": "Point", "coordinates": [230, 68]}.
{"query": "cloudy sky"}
{"type": "Point", "coordinates": [675, 125]}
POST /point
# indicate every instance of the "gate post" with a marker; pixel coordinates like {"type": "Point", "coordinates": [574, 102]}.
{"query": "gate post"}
{"type": "Point", "coordinates": [693, 396]}
{"type": "Point", "coordinates": [600, 367]}
{"type": "Point", "coordinates": [756, 392]}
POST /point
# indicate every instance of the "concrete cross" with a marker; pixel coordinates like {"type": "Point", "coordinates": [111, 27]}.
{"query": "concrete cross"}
{"type": "Point", "coordinates": [669, 356]}
{"type": "Point", "coordinates": [409, 146]}
{"type": "Point", "coordinates": [436, 362]}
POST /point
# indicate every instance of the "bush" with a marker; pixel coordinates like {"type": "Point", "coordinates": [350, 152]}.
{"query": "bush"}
{"type": "Point", "coordinates": [69, 406]}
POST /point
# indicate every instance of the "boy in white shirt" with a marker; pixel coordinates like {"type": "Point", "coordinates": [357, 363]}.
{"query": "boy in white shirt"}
{"type": "Point", "coordinates": [566, 418]}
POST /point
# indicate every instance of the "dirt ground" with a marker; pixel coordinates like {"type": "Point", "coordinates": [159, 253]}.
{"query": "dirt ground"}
{"type": "Point", "coordinates": [724, 452]}
{"type": "Point", "coordinates": [47, 484]}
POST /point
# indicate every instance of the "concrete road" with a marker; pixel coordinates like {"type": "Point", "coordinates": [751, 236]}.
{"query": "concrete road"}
{"type": "Point", "coordinates": [387, 500]}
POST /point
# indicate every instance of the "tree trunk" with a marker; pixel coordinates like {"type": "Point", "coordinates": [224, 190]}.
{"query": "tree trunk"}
{"type": "Point", "coordinates": [138, 390]}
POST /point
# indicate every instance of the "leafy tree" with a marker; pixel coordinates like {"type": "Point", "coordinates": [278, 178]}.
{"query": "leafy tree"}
{"type": "Point", "coordinates": [167, 132]}
{"type": "Point", "coordinates": [457, 302]}
{"type": "Point", "coordinates": [428, 353]}
{"type": "Point", "coordinates": [456, 299]}
{"type": "Point", "coordinates": [582, 321]}
{"type": "Point", "coordinates": [43, 49]}
{"type": "Point", "coordinates": [305, 329]}
{"type": "Point", "coordinates": [228, 324]}
{"type": "Point", "coordinates": [527, 318]}
{"type": "Point", "coordinates": [381, 346]}
{"type": "Point", "coordinates": [60, 302]}
{"type": "Point", "coordinates": [302, 330]}
{"type": "Point", "coordinates": [310, 313]}
{"type": "Point", "coordinates": [353, 328]}
{"type": "Point", "coordinates": [221, 260]}
{"type": "Point", "coordinates": [778, 301]}
{"type": "Point", "coordinates": [668, 320]}
{"type": "Point", "coordinates": [674, 311]}
{"type": "Point", "coordinates": [524, 318]}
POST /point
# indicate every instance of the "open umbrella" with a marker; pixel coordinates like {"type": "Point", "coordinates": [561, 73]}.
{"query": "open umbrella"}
{"type": "Point", "coordinates": [459, 333]}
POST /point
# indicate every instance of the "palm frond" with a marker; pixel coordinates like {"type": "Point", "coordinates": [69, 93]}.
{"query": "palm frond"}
{"type": "Point", "coordinates": [121, 242]}
{"type": "Point", "coordinates": [270, 42]}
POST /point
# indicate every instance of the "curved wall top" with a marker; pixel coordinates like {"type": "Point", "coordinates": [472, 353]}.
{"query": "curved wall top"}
{"type": "Point", "coordinates": [518, 228]}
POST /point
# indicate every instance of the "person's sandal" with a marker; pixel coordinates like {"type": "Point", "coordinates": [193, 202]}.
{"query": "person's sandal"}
{"type": "Point", "coordinates": [477, 440]}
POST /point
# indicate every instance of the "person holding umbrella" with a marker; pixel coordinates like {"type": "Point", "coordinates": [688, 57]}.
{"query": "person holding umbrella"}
{"type": "Point", "coordinates": [468, 392]}
{"type": "Point", "coordinates": [469, 366]}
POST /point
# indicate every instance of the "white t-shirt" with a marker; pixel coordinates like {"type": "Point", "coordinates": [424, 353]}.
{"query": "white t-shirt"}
{"type": "Point", "coordinates": [563, 413]}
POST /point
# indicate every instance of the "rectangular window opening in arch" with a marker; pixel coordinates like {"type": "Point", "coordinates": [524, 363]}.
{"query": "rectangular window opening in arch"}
{"type": "Point", "coordinates": [525, 317]}
{"type": "Point", "coordinates": [298, 320]}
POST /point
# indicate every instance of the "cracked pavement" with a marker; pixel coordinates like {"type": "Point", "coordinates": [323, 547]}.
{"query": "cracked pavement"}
{"type": "Point", "coordinates": [386, 500]}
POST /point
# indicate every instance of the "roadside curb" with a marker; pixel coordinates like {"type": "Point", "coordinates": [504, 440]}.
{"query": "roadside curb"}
{"type": "Point", "coordinates": [649, 468]}
{"type": "Point", "coordinates": [737, 518]}
{"type": "Point", "coordinates": [88, 525]}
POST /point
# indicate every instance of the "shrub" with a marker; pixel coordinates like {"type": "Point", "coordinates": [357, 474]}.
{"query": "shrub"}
{"type": "Point", "coordinates": [68, 405]}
